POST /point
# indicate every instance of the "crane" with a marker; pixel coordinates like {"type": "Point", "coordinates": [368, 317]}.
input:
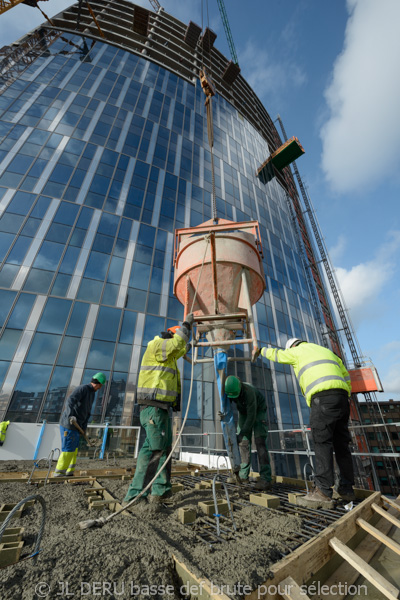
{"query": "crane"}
{"type": "Point", "coordinates": [228, 31]}
{"type": "Point", "coordinates": [155, 4]}
{"type": "Point", "coordinates": [5, 5]}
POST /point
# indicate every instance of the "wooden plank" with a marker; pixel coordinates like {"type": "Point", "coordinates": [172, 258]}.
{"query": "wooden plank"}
{"type": "Point", "coordinates": [391, 502]}
{"type": "Point", "coordinates": [311, 556]}
{"type": "Point", "coordinates": [110, 498]}
{"type": "Point", "coordinates": [345, 575]}
{"type": "Point", "coordinates": [290, 590]}
{"type": "Point", "coordinates": [384, 586]}
{"type": "Point", "coordinates": [384, 513]}
{"type": "Point", "coordinates": [379, 535]}
{"type": "Point", "coordinates": [195, 587]}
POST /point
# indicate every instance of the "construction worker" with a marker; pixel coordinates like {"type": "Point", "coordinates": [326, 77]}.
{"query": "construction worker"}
{"type": "Point", "coordinates": [77, 411]}
{"type": "Point", "coordinates": [325, 383]}
{"type": "Point", "coordinates": [3, 429]}
{"type": "Point", "coordinates": [252, 419]}
{"type": "Point", "coordinates": [159, 389]}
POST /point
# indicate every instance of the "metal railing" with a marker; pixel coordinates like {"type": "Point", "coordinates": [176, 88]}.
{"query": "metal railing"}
{"type": "Point", "coordinates": [307, 449]}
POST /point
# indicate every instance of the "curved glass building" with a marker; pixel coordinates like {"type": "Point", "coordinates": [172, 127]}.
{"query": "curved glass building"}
{"type": "Point", "coordinates": [103, 154]}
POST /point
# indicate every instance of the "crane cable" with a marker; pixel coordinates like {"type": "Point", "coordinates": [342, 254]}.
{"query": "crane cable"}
{"type": "Point", "coordinates": [210, 125]}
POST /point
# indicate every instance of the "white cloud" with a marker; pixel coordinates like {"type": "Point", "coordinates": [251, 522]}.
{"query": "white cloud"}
{"type": "Point", "coordinates": [391, 382]}
{"type": "Point", "coordinates": [389, 357]}
{"type": "Point", "coordinates": [362, 284]}
{"type": "Point", "coordinates": [266, 75]}
{"type": "Point", "coordinates": [361, 139]}
{"type": "Point", "coordinates": [337, 251]}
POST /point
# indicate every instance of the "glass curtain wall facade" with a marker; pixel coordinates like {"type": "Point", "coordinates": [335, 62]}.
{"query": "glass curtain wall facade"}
{"type": "Point", "coordinates": [103, 153]}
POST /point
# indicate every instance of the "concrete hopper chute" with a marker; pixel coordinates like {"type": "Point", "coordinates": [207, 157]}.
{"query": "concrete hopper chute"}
{"type": "Point", "coordinates": [219, 276]}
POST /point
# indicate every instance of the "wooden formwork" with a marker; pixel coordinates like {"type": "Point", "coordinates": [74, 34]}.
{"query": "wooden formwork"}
{"type": "Point", "coordinates": [339, 554]}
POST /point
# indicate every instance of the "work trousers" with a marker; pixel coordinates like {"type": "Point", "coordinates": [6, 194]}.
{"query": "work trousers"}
{"type": "Point", "coordinates": [329, 429]}
{"type": "Point", "coordinates": [260, 430]}
{"type": "Point", "coordinates": [156, 448]}
{"type": "Point", "coordinates": [69, 450]}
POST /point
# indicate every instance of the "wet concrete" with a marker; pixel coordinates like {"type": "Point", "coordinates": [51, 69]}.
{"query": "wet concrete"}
{"type": "Point", "coordinates": [130, 553]}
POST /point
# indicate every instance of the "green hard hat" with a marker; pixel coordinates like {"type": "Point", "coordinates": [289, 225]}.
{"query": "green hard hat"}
{"type": "Point", "coordinates": [232, 386]}
{"type": "Point", "coordinates": [100, 377]}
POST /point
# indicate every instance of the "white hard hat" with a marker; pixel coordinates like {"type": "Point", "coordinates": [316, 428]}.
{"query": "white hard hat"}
{"type": "Point", "coordinates": [292, 342]}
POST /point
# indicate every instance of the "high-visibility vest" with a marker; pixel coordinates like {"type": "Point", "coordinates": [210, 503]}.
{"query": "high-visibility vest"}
{"type": "Point", "coordinates": [159, 377]}
{"type": "Point", "coordinates": [3, 429]}
{"type": "Point", "coordinates": [317, 369]}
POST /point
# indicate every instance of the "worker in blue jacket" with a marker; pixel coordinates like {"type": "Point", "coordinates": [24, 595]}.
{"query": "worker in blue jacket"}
{"type": "Point", "coordinates": [252, 411]}
{"type": "Point", "coordinates": [77, 410]}
{"type": "Point", "coordinates": [325, 383]}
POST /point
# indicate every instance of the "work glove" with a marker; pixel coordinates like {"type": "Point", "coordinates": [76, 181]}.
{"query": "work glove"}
{"type": "Point", "coordinates": [188, 347]}
{"type": "Point", "coordinates": [188, 322]}
{"type": "Point", "coordinates": [257, 353]}
{"type": "Point", "coordinates": [72, 420]}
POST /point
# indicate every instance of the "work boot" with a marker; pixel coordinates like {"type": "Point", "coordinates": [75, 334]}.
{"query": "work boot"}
{"type": "Point", "coordinates": [263, 485]}
{"type": "Point", "coordinates": [236, 481]}
{"type": "Point", "coordinates": [60, 475]}
{"type": "Point", "coordinates": [160, 499]}
{"type": "Point", "coordinates": [70, 475]}
{"type": "Point", "coordinates": [316, 499]}
{"type": "Point", "coordinates": [345, 494]}
{"type": "Point", "coordinates": [142, 500]}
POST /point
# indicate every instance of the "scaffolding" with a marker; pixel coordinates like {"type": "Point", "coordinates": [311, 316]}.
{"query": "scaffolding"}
{"type": "Point", "coordinates": [370, 397]}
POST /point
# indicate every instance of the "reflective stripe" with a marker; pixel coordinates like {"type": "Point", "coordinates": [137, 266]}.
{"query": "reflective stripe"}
{"type": "Point", "coordinates": [347, 378]}
{"type": "Point", "coordinates": [164, 369]}
{"type": "Point", "coordinates": [182, 335]}
{"type": "Point", "coordinates": [164, 350]}
{"type": "Point", "coordinates": [264, 353]}
{"type": "Point", "coordinates": [315, 363]}
{"type": "Point", "coordinates": [322, 379]}
{"type": "Point", "coordinates": [156, 391]}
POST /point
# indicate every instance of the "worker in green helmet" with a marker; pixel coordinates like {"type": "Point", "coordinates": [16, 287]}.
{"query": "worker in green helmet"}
{"type": "Point", "coordinates": [158, 391]}
{"type": "Point", "coordinates": [77, 411]}
{"type": "Point", "coordinates": [252, 411]}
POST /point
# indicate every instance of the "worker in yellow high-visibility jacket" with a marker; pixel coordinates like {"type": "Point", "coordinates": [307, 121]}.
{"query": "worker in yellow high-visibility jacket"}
{"type": "Point", "coordinates": [3, 429]}
{"type": "Point", "coordinates": [158, 391]}
{"type": "Point", "coordinates": [325, 383]}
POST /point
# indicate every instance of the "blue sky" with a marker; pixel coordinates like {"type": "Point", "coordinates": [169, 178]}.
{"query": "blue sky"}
{"type": "Point", "coordinates": [331, 70]}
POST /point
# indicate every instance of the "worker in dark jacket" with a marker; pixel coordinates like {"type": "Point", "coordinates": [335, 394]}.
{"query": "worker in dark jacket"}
{"type": "Point", "coordinates": [77, 410]}
{"type": "Point", "coordinates": [325, 383]}
{"type": "Point", "coordinates": [159, 390]}
{"type": "Point", "coordinates": [252, 419]}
